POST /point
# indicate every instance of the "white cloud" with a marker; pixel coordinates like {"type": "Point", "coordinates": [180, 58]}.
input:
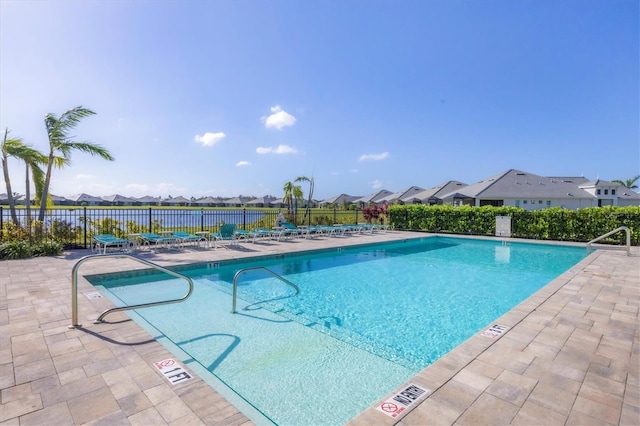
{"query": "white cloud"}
{"type": "Point", "coordinates": [280, 149]}
{"type": "Point", "coordinates": [243, 163]}
{"type": "Point", "coordinates": [279, 118]}
{"type": "Point", "coordinates": [85, 177]}
{"type": "Point", "coordinates": [376, 157]}
{"type": "Point", "coordinates": [209, 139]}
{"type": "Point", "coordinates": [376, 184]}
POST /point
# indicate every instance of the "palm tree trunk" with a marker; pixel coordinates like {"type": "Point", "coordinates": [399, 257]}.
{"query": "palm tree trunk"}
{"type": "Point", "coordinates": [45, 189]}
{"type": "Point", "coordinates": [27, 196]}
{"type": "Point", "coordinates": [7, 181]}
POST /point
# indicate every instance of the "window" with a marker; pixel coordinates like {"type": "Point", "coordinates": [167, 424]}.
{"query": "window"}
{"type": "Point", "coordinates": [613, 192]}
{"type": "Point", "coordinates": [517, 203]}
{"type": "Point", "coordinates": [598, 192]}
{"type": "Point", "coordinates": [548, 203]}
{"type": "Point", "coordinates": [539, 201]}
{"type": "Point", "coordinates": [524, 201]}
{"type": "Point", "coordinates": [606, 192]}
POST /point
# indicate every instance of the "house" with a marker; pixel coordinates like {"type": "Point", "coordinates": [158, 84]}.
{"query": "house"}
{"type": "Point", "coordinates": [148, 200]}
{"type": "Point", "coordinates": [209, 202]}
{"type": "Point", "coordinates": [235, 202]}
{"type": "Point", "coordinates": [522, 189]}
{"type": "Point", "coordinates": [86, 200]}
{"type": "Point", "coordinates": [176, 201]}
{"type": "Point", "coordinates": [434, 195]}
{"type": "Point", "coordinates": [405, 196]}
{"type": "Point", "coordinates": [375, 198]}
{"type": "Point", "coordinates": [119, 200]}
{"type": "Point", "coordinates": [340, 200]}
{"type": "Point", "coordinates": [608, 193]}
{"type": "Point", "coordinates": [261, 201]}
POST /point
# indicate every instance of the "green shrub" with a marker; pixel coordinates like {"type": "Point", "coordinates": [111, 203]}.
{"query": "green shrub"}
{"type": "Point", "coordinates": [15, 250]}
{"type": "Point", "coordinates": [547, 224]}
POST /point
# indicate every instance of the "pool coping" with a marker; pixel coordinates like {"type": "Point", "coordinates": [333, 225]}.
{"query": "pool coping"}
{"type": "Point", "coordinates": [104, 373]}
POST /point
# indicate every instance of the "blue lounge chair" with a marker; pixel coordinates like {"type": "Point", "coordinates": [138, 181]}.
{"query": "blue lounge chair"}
{"type": "Point", "coordinates": [103, 241]}
{"type": "Point", "coordinates": [151, 239]}
{"type": "Point", "coordinates": [185, 238]}
{"type": "Point", "coordinates": [226, 233]}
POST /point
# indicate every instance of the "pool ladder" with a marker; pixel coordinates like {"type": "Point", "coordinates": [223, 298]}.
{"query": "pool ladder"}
{"type": "Point", "coordinates": [74, 287]}
{"type": "Point", "coordinates": [622, 228]}
{"type": "Point", "coordinates": [242, 271]}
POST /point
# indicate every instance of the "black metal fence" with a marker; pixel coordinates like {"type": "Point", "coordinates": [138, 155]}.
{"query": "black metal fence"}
{"type": "Point", "coordinates": [74, 227]}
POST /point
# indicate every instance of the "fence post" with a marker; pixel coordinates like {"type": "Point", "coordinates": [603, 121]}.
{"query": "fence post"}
{"type": "Point", "coordinates": [84, 212]}
{"type": "Point", "coordinates": [1, 222]}
{"type": "Point", "coordinates": [202, 219]}
{"type": "Point", "coordinates": [150, 230]}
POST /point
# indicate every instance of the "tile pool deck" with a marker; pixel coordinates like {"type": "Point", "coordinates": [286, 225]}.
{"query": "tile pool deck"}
{"type": "Point", "coordinates": [571, 354]}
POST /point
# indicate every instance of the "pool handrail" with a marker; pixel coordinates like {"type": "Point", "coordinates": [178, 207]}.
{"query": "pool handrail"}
{"type": "Point", "coordinates": [74, 287]}
{"type": "Point", "coordinates": [622, 228]}
{"type": "Point", "coordinates": [242, 271]}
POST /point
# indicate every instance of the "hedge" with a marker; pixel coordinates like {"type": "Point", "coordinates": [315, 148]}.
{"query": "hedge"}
{"type": "Point", "coordinates": [554, 223]}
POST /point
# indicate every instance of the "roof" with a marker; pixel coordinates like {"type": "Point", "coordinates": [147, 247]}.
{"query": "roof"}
{"type": "Point", "coordinates": [80, 198]}
{"type": "Point", "coordinates": [518, 184]}
{"type": "Point", "coordinates": [342, 198]}
{"type": "Point", "coordinates": [405, 195]}
{"type": "Point", "coordinates": [373, 198]}
{"type": "Point", "coordinates": [437, 191]}
{"type": "Point", "coordinates": [117, 198]}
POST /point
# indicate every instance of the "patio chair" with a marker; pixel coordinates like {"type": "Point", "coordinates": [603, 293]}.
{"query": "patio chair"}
{"type": "Point", "coordinates": [226, 233]}
{"type": "Point", "coordinates": [103, 241]}
{"type": "Point", "coordinates": [151, 239]}
{"type": "Point", "coordinates": [185, 238]}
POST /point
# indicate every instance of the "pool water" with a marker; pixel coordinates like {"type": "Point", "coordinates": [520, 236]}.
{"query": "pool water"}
{"type": "Point", "coordinates": [366, 320]}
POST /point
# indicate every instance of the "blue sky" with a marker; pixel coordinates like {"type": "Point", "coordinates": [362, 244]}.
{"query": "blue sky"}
{"type": "Point", "coordinates": [224, 98]}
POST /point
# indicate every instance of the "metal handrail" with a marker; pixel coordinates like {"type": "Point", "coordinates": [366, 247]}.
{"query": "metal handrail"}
{"type": "Point", "coordinates": [242, 271]}
{"type": "Point", "coordinates": [74, 287]}
{"type": "Point", "coordinates": [622, 228]}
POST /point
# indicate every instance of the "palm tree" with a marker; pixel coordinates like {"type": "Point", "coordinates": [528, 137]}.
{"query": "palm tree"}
{"type": "Point", "coordinates": [291, 192]}
{"type": "Point", "coordinates": [32, 158]}
{"type": "Point", "coordinates": [60, 142]}
{"type": "Point", "coordinates": [310, 196]}
{"type": "Point", "coordinates": [629, 183]}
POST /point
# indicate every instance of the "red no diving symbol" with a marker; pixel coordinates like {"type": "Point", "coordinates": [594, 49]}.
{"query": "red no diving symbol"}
{"type": "Point", "coordinates": [389, 407]}
{"type": "Point", "coordinates": [165, 363]}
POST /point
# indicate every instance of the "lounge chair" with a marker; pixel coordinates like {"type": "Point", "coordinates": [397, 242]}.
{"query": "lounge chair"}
{"type": "Point", "coordinates": [150, 239]}
{"type": "Point", "coordinates": [185, 238]}
{"type": "Point", "coordinates": [102, 241]}
{"type": "Point", "coordinates": [288, 230]}
{"type": "Point", "coordinates": [226, 233]}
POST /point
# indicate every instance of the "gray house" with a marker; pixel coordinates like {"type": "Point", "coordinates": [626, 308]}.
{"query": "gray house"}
{"type": "Point", "coordinates": [86, 200]}
{"type": "Point", "coordinates": [118, 200]}
{"type": "Point", "coordinates": [434, 195]}
{"type": "Point", "coordinates": [376, 198]}
{"type": "Point", "coordinates": [406, 196]}
{"type": "Point", "coordinates": [522, 189]}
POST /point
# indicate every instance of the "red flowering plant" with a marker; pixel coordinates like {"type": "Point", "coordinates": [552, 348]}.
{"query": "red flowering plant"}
{"type": "Point", "coordinates": [375, 212]}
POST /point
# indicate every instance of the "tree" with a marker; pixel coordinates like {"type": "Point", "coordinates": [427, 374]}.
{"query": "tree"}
{"type": "Point", "coordinates": [32, 158]}
{"type": "Point", "coordinates": [291, 192]}
{"type": "Point", "coordinates": [310, 196]}
{"type": "Point", "coordinates": [629, 183]}
{"type": "Point", "coordinates": [58, 129]}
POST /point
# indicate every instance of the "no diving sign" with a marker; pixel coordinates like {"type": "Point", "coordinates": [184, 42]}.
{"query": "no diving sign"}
{"type": "Point", "coordinates": [404, 399]}
{"type": "Point", "coordinates": [172, 370]}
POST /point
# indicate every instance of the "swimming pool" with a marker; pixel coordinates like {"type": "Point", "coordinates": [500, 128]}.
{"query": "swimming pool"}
{"type": "Point", "coordinates": [366, 320]}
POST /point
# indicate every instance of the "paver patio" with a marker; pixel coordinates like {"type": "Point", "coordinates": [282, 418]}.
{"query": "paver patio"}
{"type": "Point", "coordinates": [571, 354]}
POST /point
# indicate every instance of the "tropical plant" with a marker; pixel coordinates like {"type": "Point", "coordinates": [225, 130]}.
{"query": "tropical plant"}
{"type": "Point", "coordinates": [58, 129]}
{"type": "Point", "coordinates": [629, 183]}
{"type": "Point", "coordinates": [292, 193]}
{"type": "Point", "coordinates": [32, 158]}
{"type": "Point", "coordinates": [307, 210]}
